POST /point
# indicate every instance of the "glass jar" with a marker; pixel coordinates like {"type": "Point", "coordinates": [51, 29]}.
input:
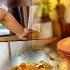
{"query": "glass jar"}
{"type": "Point", "coordinates": [63, 48]}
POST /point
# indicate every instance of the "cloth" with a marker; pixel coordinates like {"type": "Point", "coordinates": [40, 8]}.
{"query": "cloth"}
{"type": "Point", "coordinates": [3, 5]}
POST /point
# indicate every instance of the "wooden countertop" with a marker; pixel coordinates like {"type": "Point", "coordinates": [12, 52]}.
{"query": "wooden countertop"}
{"type": "Point", "coordinates": [15, 38]}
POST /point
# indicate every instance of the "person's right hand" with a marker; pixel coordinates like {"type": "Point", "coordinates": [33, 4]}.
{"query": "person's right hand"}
{"type": "Point", "coordinates": [33, 34]}
{"type": "Point", "coordinates": [29, 34]}
{"type": "Point", "coordinates": [24, 34]}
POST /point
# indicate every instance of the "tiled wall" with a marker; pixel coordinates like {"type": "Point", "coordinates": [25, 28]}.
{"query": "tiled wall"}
{"type": "Point", "coordinates": [16, 48]}
{"type": "Point", "coordinates": [4, 55]}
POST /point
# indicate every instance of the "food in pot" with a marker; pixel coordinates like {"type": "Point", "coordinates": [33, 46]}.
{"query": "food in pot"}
{"type": "Point", "coordinates": [39, 66]}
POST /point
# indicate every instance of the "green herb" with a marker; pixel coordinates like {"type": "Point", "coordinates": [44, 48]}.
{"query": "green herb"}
{"type": "Point", "coordinates": [46, 6]}
{"type": "Point", "coordinates": [58, 1]}
{"type": "Point", "coordinates": [45, 10]}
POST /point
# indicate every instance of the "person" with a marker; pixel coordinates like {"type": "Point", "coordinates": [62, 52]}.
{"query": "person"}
{"type": "Point", "coordinates": [8, 20]}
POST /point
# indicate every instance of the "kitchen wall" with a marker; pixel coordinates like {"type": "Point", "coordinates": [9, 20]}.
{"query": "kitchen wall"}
{"type": "Point", "coordinates": [65, 2]}
{"type": "Point", "coordinates": [16, 48]}
{"type": "Point", "coordinates": [4, 55]}
{"type": "Point", "coordinates": [67, 12]}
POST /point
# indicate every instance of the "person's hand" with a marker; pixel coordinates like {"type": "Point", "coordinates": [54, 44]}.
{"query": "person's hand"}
{"type": "Point", "coordinates": [32, 34]}
{"type": "Point", "coordinates": [29, 34]}
{"type": "Point", "coordinates": [24, 34]}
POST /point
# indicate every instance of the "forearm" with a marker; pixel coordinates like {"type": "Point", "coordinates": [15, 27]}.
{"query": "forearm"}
{"type": "Point", "coordinates": [13, 25]}
{"type": "Point", "coordinates": [10, 22]}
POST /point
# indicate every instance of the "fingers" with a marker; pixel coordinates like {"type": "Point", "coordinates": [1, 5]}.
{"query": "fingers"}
{"type": "Point", "coordinates": [23, 38]}
{"type": "Point", "coordinates": [24, 33]}
{"type": "Point", "coordinates": [28, 34]}
{"type": "Point", "coordinates": [33, 34]}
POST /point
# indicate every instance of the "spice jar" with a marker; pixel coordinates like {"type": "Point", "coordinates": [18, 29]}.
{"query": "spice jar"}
{"type": "Point", "coordinates": [63, 49]}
